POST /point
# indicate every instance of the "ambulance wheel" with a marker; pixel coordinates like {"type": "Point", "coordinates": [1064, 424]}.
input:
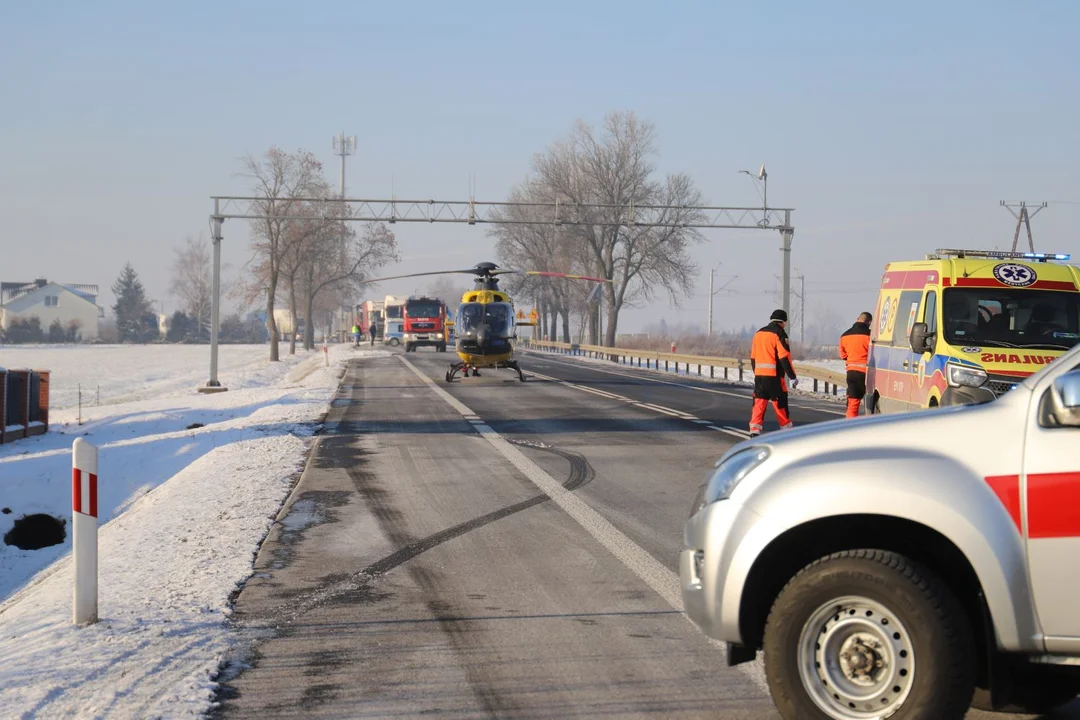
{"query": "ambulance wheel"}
{"type": "Point", "coordinates": [394, 342]}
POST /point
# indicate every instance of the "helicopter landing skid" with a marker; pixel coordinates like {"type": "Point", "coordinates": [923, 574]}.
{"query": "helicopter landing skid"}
{"type": "Point", "coordinates": [462, 368]}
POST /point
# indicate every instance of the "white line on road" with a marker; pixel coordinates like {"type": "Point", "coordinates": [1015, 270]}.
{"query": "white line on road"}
{"type": "Point", "coordinates": [663, 581]}
{"type": "Point", "coordinates": [729, 431]}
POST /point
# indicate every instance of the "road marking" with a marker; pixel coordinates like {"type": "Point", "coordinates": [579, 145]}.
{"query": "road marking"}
{"type": "Point", "coordinates": [646, 376]}
{"type": "Point", "coordinates": [663, 581]}
{"type": "Point", "coordinates": [645, 566]}
{"type": "Point", "coordinates": [634, 403]}
{"type": "Point", "coordinates": [730, 431]}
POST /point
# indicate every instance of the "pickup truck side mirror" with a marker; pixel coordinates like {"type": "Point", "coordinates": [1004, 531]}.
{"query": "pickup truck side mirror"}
{"type": "Point", "coordinates": [920, 339]}
{"type": "Point", "coordinates": [1063, 401]}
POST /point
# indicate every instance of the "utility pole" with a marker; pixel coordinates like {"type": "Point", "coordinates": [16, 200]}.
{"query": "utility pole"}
{"type": "Point", "coordinates": [712, 293]}
{"type": "Point", "coordinates": [1022, 218]}
{"type": "Point", "coordinates": [802, 308]}
{"type": "Point", "coordinates": [343, 147]}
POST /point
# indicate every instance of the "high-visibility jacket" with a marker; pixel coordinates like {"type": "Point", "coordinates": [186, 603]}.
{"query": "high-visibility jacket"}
{"type": "Point", "coordinates": [855, 346]}
{"type": "Point", "coordinates": [770, 355]}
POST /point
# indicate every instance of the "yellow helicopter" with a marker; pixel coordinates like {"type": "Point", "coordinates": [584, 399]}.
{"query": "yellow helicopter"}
{"type": "Point", "coordinates": [484, 323]}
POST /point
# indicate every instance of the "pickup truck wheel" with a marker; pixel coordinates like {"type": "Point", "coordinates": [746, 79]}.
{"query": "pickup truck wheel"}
{"type": "Point", "coordinates": [868, 634]}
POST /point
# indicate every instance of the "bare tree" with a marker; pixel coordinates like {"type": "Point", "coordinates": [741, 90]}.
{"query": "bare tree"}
{"type": "Point", "coordinates": [192, 282]}
{"type": "Point", "coordinates": [281, 180]}
{"type": "Point", "coordinates": [447, 290]}
{"type": "Point", "coordinates": [618, 239]}
{"type": "Point", "coordinates": [339, 260]}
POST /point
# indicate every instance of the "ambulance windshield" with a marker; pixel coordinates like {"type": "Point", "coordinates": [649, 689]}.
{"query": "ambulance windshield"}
{"type": "Point", "coordinates": [1011, 317]}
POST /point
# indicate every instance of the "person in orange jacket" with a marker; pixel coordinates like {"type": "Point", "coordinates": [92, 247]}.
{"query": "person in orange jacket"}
{"type": "Point", "coordinates": [855, 351]}
{"type": "Point", "coordinates": [770, 357]}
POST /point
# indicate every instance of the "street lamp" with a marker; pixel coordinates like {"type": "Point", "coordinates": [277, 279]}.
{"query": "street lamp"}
{"type": "Point", "coordinates": [764, 178]}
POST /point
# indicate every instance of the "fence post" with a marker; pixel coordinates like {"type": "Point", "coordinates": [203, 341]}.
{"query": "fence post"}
{"type": "Point", "coordinates": [3, 405]}
{"type": "Point", "coordinates": [84, 540]}
{"type": "Point", "coordinates": [740, 369]}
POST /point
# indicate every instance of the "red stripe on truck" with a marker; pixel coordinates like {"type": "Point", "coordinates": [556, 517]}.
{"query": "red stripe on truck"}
{"type": "Point", "coordinates": [1053, 505]}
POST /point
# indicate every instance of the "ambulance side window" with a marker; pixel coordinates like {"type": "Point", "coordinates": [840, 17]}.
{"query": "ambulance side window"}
{"type": "Point", "coordinates": [930, 312]}
{"type": "Point", "coordinates": [905, 316]}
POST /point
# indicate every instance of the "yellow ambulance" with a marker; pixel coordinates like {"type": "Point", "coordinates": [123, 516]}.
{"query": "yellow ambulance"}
{"type": "Point", "coordinates": [964, 326]}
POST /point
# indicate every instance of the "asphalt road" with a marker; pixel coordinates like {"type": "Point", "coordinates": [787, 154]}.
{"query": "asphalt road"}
{"type": "Point", "coordinates": [495, 549]}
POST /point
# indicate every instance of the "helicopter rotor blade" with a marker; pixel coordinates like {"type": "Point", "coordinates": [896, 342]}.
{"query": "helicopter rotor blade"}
{"type": "Point", "coordinates": [471, 271]}
{"type": "Point", "coordinates": [565, 275]}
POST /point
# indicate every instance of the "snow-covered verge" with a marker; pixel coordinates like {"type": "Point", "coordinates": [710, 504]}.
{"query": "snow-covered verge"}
{"type": "Point", "coordinates": [184, 511]}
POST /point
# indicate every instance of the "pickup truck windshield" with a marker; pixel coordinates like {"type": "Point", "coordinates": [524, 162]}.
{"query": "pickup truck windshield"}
{"type": "Point", "coordinates": [424, 309]}
{"type": "Point", "coordinates": [1012, 317]}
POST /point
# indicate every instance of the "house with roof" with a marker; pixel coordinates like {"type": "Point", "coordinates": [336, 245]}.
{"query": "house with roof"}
{"type": "Point", "coordinates": [71, 304]}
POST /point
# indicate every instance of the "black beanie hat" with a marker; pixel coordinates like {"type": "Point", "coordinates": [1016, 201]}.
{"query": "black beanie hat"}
{"type": "Point", "coordinates": [779, 315]}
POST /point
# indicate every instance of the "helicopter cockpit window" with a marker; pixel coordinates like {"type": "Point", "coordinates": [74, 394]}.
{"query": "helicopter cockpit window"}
{"type": "Point", "coordinates": [497, 317]}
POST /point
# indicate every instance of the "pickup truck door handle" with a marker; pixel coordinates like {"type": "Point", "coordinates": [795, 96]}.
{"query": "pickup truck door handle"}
{"type": "Point", "coordinates": [906, 363]}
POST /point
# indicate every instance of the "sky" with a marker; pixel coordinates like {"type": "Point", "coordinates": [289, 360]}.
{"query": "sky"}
{"type": "Point", "coordinates": [892, 130]}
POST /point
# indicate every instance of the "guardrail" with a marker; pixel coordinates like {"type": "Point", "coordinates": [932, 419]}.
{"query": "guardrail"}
{"type": "Point", "coordinates": [823, 381]}
{"type": "Point", "coordinates": [24, 404]}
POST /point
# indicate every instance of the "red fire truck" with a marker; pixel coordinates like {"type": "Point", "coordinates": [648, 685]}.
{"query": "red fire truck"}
{"type": "Point", "coordinates": [425, 323]}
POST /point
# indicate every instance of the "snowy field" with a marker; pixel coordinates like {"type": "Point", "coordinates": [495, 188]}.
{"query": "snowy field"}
{"type": "Point", "coordinates": [122, 373]}
{"type": "Point", "coordinates": [183, 511]}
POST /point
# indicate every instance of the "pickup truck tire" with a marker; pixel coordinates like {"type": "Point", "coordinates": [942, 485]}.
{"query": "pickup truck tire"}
{"type": "Point", "coordinates": [867, 632]}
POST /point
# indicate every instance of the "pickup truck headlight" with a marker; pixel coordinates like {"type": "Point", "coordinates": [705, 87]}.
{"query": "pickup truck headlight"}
{"type": "Point", "coordinates": [727, 475]}
{"type": "Point", "coordinates": [965, 376]}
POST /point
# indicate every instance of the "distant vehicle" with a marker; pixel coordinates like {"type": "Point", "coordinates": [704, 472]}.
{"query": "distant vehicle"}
{"type": "Point", "coordinates": [889, 566]}
{"type": "Point", "coordinates": [965, 326]}
{"type": "Point", "coordinates": [393, 323]}
{"type": "Point", "coordinates": [425, 324]}
{"type": "Point", "coordinates": [485, 322]}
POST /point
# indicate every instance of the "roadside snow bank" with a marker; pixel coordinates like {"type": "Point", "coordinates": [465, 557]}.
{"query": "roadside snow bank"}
{"type": "Point", "coordinates": [184, 512]}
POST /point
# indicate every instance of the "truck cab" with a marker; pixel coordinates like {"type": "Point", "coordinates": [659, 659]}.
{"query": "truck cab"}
{"type": "Point", "coordinates": [909, 565]}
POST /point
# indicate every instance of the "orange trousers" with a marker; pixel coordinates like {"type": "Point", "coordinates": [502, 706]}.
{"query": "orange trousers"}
{"type": "Point", "coordinates": [758, 416]}
{"type": "Point", "coordinates": [853, 405]}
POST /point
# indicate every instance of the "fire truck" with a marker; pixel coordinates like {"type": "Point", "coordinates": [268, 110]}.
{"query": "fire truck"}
{"type": "Point", "coordinates": [425, 323]}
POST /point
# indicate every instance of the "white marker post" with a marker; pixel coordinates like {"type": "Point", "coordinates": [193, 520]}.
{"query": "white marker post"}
{"type": "Point", "coordinates": [84, 506]}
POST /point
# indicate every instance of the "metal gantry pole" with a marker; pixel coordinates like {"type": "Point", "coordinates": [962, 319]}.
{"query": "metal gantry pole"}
{"type": "Point", "coordinates": [213, 385]}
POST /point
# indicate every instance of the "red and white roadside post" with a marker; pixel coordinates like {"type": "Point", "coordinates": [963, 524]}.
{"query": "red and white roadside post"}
{"type": "Point", "coordinates": [84, 550]}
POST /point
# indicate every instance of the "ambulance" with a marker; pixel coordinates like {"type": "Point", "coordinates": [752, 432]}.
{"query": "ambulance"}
{"type": "Point", "coordinates": [964, 326]}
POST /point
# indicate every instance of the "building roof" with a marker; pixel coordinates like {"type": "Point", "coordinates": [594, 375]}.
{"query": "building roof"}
{"type": "Point", "coordinates": [11, 290]}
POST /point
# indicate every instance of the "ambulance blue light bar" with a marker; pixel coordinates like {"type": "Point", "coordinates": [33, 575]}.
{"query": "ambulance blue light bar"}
{"type": "Point", "coordinates": [1004, 254]}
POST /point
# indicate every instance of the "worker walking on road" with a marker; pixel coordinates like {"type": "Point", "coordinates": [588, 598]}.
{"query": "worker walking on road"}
{"type": "Point", "coordinates": [855, 351]}
{"type": "Point", "coordinates": [356, 335]}
{"type": "Point", "coordinates": [770, 357]}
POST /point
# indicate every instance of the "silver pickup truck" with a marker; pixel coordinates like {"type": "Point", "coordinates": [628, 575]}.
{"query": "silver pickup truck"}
{"type": "Point", "coordinates": [907, 566]}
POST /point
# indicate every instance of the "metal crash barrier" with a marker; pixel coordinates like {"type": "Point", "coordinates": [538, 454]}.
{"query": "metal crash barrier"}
{"type": "Point", "coordinates": [24, 404]}
{"type": "Point", "coordinates": [823, 381]}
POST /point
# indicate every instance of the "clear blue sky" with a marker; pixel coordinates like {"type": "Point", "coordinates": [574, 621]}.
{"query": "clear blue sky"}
{"type": "Point", "coordinates": [892, 130]}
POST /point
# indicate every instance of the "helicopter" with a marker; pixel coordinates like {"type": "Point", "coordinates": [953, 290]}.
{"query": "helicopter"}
{"type": "Point", "coordinates": [485, 323]}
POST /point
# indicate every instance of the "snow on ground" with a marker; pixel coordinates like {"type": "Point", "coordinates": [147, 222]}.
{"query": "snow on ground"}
{"type": "Point", "coordinates": [121, 373]}
{"type": "Point", "coordinates": [183, 512]}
